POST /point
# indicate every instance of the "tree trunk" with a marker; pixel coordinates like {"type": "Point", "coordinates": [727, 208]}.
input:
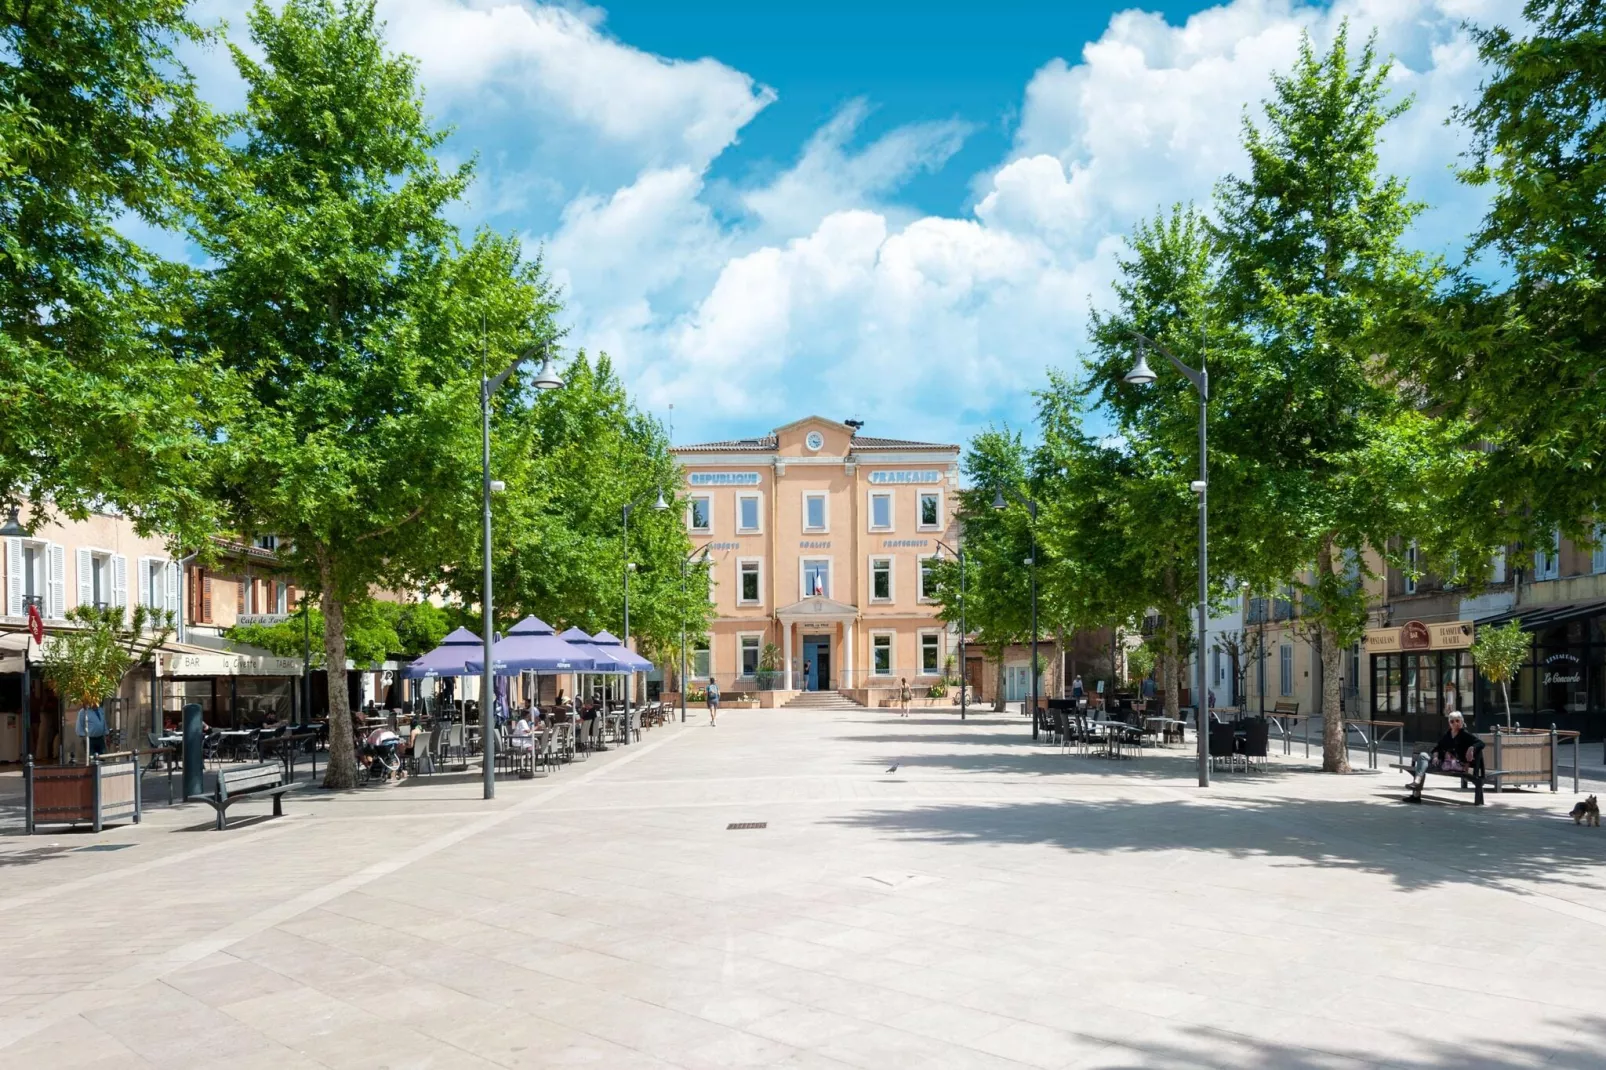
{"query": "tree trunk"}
{"type": "Point", "coordinates": [998, 693]}
{"type": "Point", "coordinates": [1507, 696]}
{"type": "Point", "coordinates": [1335, 754]}
{"type": "Point", "coordinates": [1056, 680]}
{"type": "Point", "coordinates": [1173, 670]}
{"type": "Point", "coordinates": [341, 771]}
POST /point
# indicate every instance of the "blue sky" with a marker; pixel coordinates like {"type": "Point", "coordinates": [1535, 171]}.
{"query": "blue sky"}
{"type": "Point", "coordinates": [900, 212]}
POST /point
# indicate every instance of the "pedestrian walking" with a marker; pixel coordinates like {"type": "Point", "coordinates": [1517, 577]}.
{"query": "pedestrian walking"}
{"type": "Point", "coordinates": [904, 695]}
{"type": "Point", "coordinates": [92, 729]}
{"type": "Point", "coordinates": [713, 702]}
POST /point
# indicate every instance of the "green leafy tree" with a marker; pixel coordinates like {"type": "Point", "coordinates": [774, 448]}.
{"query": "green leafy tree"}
{"type": "Point", "coordinates": [572, 461]}
{"type": "Point", "coordinates": [997, 604]}
{"type": "Point", "coordinates": [99, 125]}
{"type": "Point", "coordinates": [1499, 652]}
{"type": "Point", "coordinates": [86, 663]}
{"type": "Point", "coordinates": [355, 320]}
{"type": "Point", "coordinates": [1339, 456]}
{"type": "Point", "coordinates": [375, 631]}
{"type": "Point", "coordinates": [1526, 359]}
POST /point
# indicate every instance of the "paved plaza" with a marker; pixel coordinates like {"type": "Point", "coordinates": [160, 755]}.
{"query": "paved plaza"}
{"type": "Point", "coordinates": [986, 904]}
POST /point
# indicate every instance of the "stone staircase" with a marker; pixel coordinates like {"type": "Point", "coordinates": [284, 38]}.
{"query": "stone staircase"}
{"type": "Point", "coordinates": [822, 700]}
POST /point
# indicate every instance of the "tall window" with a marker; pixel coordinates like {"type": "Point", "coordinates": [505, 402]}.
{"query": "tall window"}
{"type": "Point", "coordinates": [930, 653]}
{"type": "Point", "coordinates": [881, 579]}
{"type": "Point", "coordinates": [1597, 557]}
{"type": "Point", "coordinates": [281, 597]}
{"type": "Point", "coordinates": [1215, 663]}
{"type": "Point", "coordinates": [928, 581]}
{"type": "Point", "coordinates": [699, 659]}
{"type": "Point", "coordinates": [1412, 555]}
{"type": "Point", "coordinates": [816, 577]}
{"type": "Point", "coordinates": [881, 654]}
{"type": "Point", "coordinates": [930, 509]}
{"type": "Point", "coordinates": [747, 586]}
{"type": "Point", "coordinates": [814, 518]}
{"type": "Point", "coordinates": [1547, 562]}
{"type": "Point", "coordinates": [1285, 670]}
{"type": "Point", "coordinates": [1497, 571]}
{"type": "Point", "coordinates": [881, 510]}
{"type": "Point", "coordinates": [747, 513]}
{"type": "Point", "coordinates": [700, 513]}
{"type": "Point", "coordinates": [1260, 674]}
{"type": "Point", "coordinates": [750, 654]}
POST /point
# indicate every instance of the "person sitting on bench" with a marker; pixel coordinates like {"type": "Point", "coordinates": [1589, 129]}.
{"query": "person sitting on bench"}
{"type": "Point", "coordinates": [1458, 751]}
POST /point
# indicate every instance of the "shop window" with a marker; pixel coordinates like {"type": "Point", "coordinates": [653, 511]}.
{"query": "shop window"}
{"type": "Point", "coordinates": [700, 513]}
{"type": "Point", "coordinates": [815, 518]}
{"type": "Point", "coordinates": [881, 579]}
{"type": "Point", "coordinates": [881, 510]}
{"type": "Point", "coordinates": [816, 578]}
{"type": "Point", "coordinates": [881, 654]}
{"type": "Point", "coordinates": [747, 588]}
{"type": "Point", "coordinates": [747, 514]}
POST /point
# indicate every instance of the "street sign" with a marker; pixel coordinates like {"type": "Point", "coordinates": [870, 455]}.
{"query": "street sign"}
{"type": "Point", "coordinates": [36, 624]}
{"type": "Point", "coordinates": [264, 619]}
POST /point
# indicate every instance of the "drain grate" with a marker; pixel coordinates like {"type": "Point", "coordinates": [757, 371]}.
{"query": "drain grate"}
{"type": "Point", "coordinates": [105, 847]}
{"type": "Point", "coordinates": [747, 825]}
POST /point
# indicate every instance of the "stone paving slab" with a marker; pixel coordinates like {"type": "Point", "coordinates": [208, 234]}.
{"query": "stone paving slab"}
{"type": "Point", "coordinates": [990, 903]}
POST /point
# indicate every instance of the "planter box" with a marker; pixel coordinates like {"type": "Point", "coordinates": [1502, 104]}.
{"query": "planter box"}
{"type": "Point", "coordinates": [100, 793]}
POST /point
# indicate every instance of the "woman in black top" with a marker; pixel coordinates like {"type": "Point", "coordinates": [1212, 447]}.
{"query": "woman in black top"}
{"type": "Point", "coordinates": [1458, 744]}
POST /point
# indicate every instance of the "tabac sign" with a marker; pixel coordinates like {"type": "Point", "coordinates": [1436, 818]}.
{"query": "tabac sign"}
{"type": "Point", "coordinates": [1414, 635]}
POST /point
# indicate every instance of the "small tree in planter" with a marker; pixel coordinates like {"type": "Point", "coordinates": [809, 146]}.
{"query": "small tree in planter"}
{"type": "Point", "coordinates": [1499, 653]}
{"type": "Point", "coordinates": [769, 667]}
{"type": "Point", "coordinates": [1140, 661]}
{"type": "Point", "coordinates": [86, 664]}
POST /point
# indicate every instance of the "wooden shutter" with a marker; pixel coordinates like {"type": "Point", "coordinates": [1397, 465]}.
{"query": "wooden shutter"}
{"type": "Point", "coordinates": [86, 577]}
{"type": "Point", "coordinates": [55, 581]}
{"type": "Point", "coordinates": [16, 582]}
{"type": "Point", "coordinates": [206, 597]}
{"type": "Point", "coordinates": [147, 594]}
{"type": "Point", "coordinates": [119, 581]}
{"type": "Point", "coordinates": [169, 571]}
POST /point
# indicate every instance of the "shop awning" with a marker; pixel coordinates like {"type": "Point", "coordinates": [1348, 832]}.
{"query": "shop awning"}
{"type": "Point", "coordinates": [172, 658]}
{"type": "Point", "coordinates": [603, 660]}
{"type": "Point", "coordinates": [530, 646]}
{"type": "Point", "coordinates": [448, 659]}
{"type": "Point", "coordinates": [621, 653]}
{"type": "Point", "coordinates": [1536, 617]}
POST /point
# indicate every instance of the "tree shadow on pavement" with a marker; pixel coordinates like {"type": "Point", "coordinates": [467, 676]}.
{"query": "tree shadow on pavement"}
{"type": "Point", "coordinates": [1417, 847]}
{"type": "Point", "coordinates": [1047, 760]}
{"type": "Point", "coordinates": [1584, 1050]}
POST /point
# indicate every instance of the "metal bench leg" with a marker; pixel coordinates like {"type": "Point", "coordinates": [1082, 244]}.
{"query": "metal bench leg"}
{"type": "Point", "coordinates": [220, 818]}
{"type": "Point", "coordinates": [278, 804]}
{"type": "Point", "coordinates": [1477, 790]}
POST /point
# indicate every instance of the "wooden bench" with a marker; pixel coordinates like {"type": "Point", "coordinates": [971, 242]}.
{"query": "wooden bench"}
{"type": "Point", "coordinates": [256, 779]}
{"type": "Point", "coordinates": [1477, 776]}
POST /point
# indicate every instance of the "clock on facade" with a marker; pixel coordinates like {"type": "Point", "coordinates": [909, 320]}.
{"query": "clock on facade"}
{"type": "Point", "coordinates": [814, 440]}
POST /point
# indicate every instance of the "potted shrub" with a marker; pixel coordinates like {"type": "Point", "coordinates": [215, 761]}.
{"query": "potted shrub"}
{"type": "Point", "coordinates": [769, 668]}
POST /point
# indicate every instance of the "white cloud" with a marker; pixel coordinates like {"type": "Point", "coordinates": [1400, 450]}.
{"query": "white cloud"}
{"type": "Point", "coordinates": [554, 63]}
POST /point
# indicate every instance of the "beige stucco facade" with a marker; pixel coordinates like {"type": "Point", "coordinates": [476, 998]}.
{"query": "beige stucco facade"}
{"type": "Point", "coordinates": [816, 538]}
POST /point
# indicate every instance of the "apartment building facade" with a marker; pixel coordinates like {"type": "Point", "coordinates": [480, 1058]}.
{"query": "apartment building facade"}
{"type": "Point", "coordinates": [820, 541]}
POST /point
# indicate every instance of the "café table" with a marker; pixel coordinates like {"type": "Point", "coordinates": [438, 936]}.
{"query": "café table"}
{"type": "Point", "coordinates": [1114, 736]}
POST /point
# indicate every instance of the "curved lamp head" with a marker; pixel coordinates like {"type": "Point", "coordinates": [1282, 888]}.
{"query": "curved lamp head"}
{"type": "Point", "coordinates": [13, 528]}
{"type": "Point", "coordinates": [660, 504]}
{"type": "Point", "coordinates": [998, 498]}
{"type": "Point", "coordinates": [1141, 374]}
{"type": "Point", "coordinates": [547, 378]}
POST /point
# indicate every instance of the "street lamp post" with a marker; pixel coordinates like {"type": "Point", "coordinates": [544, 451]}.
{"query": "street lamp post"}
{"type": "Point", "coordinates": [630, 566]}
{"type": "Point", "coordinates": [1031, 562]}
{"type": "Point", "coordinates": [545, 379]}
{"type": "Point", "coordinates": [960, 554]}
{"type": "Point", "coordinates": [685, 593]}
{"type": "Point", "coordinates": [1142, 375]}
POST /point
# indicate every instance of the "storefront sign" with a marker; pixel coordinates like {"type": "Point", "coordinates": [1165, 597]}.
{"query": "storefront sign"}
{"type": "Point", "coordinates": [222, 664]}
{"type": "Point", "coordinates": [904, 544]}
{"type": "Point", "coordinates": [814, 545]}
{"type": "Point", "coordinates": [1563, 668]}
{"type": "Point", "coordinates": [901, 476]}
{"type": "Point", "coordinates": [246, 620]}
{"type": "Point", "coordinates": [1414, 635]}
{"type": "Point", "coordinates": [723, 479]}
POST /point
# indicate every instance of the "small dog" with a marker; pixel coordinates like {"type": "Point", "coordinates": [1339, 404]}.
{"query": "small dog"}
{"type": "Point", "coordinates": [1587, 813]}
